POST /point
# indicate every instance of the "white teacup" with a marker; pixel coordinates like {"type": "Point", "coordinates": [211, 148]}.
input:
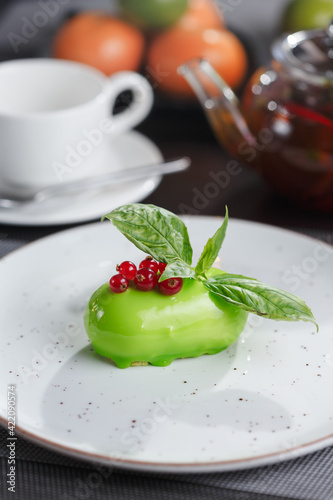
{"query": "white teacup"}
{"type": "Point", "coordinates": [56, 117]}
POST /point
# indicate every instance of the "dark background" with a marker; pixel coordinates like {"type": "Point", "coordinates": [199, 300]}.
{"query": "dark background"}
{"type": "Point", "coordinates": [180, 128]}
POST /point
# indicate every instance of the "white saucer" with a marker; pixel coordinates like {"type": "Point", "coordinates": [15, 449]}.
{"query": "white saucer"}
{"type": "Point", "coordinates": [132, 150]}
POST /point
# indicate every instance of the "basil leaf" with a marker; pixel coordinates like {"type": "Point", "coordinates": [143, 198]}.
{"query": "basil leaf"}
{"type": "Point", "coordinates": [259, 298]}
{"type": "Point", "coordinates": [177, 269]}
{"type": "Point", "coordinates": [212, 248]}
{"type": "Point", "coordinates": [153, 230]}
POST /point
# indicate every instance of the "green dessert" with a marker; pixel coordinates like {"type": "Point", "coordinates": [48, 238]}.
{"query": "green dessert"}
{"type": "Point", "coordinates": [151, 327]}
{"type": "Point", "coordinates": [167, 309]}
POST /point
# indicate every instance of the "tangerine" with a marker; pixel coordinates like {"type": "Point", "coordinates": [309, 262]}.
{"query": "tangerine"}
{"type": "Point", "coordinates": [173, 47]}
{"type": "Point", "coordinates": [201, 14]}
{"type": "Point", "coordinates": [101, 41]}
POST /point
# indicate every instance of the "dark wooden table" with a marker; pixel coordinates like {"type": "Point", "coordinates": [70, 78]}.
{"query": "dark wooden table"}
{"type": "Point", "coordinates": [181, 129]}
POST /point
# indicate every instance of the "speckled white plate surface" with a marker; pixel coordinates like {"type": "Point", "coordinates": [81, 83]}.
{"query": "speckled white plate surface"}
{"type": "Point", "coordinates": [266, 398]}
{"type": "Point", "coordinates": [130, 149]}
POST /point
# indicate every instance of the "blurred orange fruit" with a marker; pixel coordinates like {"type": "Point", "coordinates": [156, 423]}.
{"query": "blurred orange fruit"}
{"type": "Point", "coordinates": [201, 14]}
{"type": "Point", "coordinates": [101, 41]}
{"type": "Point", "coordinates": [171, 48]}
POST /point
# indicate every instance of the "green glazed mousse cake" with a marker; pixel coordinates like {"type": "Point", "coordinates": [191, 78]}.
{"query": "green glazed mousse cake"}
{"type": "Point", "coordinates": [147, 326]}
{"type": "Point", "coordinates": [166, 309]}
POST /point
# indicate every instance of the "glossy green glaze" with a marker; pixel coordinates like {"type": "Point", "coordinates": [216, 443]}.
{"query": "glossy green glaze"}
{"type": "Point", "coordinates": [148, 326]}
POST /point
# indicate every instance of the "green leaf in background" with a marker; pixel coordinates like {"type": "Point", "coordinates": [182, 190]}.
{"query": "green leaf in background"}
{"type": "Point", "coordinates": [212, 248]}
{"type": "Point", "coordinates": [259, 298]}
{"type": "Point", "coordinates": [177, 269]}
{"type": "Point", "coordinates": [154, 230]}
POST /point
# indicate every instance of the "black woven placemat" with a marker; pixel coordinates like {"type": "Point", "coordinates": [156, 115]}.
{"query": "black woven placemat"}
{"type": "Point", "coordinates": [42, 474]}
{"type": "Point", "coordinates": [42, 481]}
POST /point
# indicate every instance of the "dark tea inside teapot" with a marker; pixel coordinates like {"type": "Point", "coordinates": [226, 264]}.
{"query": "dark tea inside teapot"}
{"type": "Point", "coordinates": [283, 126]}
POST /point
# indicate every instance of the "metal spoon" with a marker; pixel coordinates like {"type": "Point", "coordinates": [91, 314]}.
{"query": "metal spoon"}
{"type": "Point", "coordinates": [104, 180]}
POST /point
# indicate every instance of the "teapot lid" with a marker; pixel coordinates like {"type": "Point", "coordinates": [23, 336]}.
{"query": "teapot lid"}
{"type": "Point", "coordinates": [307, 54]}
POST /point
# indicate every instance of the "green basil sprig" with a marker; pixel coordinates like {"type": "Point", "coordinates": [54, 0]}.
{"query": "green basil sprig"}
{"type": "Point", "coordinates": [212, 248]}
{"type": "Point", "coordinates": [153, 230]}
{"type": "Point", "coordinates": [259, 298]}
{"type": "Point", "coordinates": [178, 268]}
{"type": "Point", "coordinates": [164, 236]}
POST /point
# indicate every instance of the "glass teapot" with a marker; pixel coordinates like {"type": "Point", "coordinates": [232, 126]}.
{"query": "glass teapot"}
{"type": "Point", "coordinates": [283, 126]}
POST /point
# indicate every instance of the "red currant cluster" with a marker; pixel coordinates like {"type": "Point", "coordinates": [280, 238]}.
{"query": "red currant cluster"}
{"type": "Point", "coordinates": [145, 277]}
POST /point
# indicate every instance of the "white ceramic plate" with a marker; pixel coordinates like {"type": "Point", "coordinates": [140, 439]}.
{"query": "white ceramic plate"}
{"type": "Point", "coordinates": [126, 150]}
{"type": "Point", "coordinates": [266, 398]}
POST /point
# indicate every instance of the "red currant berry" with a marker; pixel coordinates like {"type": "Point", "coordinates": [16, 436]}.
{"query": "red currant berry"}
{"type": "Point", "coordinates": [171, 286]}
{"type": "Point", "coordinates": [150, 263]}
{"type": "Point", "coordinates": [127, 269]}
{"type": "Point", "coordinates": [161, 267]}
{"type": "Point", "coordinates": [118, 283]}
{"type": "Point", "coordinates": [145, 279]}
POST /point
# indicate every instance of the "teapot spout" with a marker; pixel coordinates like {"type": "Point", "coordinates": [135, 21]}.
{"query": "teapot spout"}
{"type": "Point", "coordinates": [220, 105]}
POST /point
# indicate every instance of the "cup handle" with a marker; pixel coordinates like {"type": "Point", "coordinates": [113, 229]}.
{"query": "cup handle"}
{"type": "Point", "coordinates": [141, 105]}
